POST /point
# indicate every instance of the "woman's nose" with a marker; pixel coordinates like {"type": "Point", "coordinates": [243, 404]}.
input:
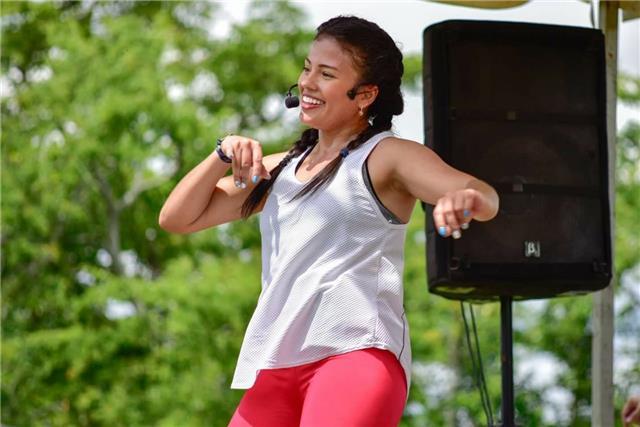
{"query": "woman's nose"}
{"type": "Point", "coordinates": [306, 81]}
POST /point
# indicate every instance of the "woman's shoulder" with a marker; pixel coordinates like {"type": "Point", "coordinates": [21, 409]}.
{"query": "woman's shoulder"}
{"type": "Point", "coordinates": [393, 153]}
{"type": "Point", "coordinates": [272, 160]}
{"type": "Point", "coordinates": [394, 146]}
{"type": "Point", "coordinates": [388, 153]}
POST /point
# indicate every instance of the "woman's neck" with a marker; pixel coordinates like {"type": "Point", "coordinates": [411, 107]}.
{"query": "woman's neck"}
{"type": "Point", "coordinates": [331, 142]}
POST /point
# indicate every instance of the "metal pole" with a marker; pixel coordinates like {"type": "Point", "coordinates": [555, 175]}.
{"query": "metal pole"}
{"type": "Point", "coordinates": [506, 359]}
{"type": "Point", "coordinates": [602, 343]}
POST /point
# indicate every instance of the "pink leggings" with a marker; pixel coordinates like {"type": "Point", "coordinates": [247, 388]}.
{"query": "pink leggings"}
{"type": "Point", "coordinates": [361, 388]}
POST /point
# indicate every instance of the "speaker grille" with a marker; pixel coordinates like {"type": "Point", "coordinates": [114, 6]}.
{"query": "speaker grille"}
{"type": "Point", "coordinates": [522, 107]}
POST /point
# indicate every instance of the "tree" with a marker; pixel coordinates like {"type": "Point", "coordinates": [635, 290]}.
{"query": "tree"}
{"type": "Point", "coordinates": [108, 320]}
{"type": "Point", "coordinates": [111, 103]}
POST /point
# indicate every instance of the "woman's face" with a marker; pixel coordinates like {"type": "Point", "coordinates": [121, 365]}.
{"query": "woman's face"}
{"type": "Point", "coordinates": [327, 76]}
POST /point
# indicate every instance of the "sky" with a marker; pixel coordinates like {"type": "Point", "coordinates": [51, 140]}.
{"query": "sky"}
{"type": "Point", "coordinates": [405, 21]}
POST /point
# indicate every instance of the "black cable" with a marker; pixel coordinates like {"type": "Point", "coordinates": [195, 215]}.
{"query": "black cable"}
{"type": "Point", "coordinates": [473, 362]}
{"type": "Point", "coordinates": [484, 382]}
{"type": "Point", "coordinates": [483, 398]}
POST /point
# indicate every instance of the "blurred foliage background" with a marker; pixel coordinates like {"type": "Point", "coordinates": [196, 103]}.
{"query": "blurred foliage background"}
{"type": "Point", "coordinates": [109, 320]}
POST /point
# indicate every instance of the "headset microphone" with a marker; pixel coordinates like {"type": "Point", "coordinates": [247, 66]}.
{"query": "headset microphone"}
{"type": "Point", "coordinates": [291, 101]}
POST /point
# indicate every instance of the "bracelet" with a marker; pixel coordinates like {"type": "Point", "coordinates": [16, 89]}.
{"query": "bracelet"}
{"type": "Point", "coordinates": [221, 154]}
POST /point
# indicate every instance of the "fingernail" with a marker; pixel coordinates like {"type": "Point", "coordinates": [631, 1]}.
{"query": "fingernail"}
{"type": "Point", "coordinates": [466, 212]}
{"type": "Point", "coordinates": [238, 183]}
{"type": "Point", "coordinates": [254, 179]}
{"type": "Point", "coordinates": [464, 225]}
{"type": "Point", "coordinates": [442, 231]}
{"type": "Point", "coordinates": [456, 234]}
{"type": "Point", "coordinates": [243, 185]}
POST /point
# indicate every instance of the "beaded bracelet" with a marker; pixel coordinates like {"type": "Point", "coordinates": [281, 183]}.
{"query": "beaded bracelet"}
{"type": "Point", "coordinates": [221, 154]}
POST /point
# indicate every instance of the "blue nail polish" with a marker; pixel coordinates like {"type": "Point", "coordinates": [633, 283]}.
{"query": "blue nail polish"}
{"type": "Point", "coordinates": [254, 179]}
{"type": "Point", "coordinates": [442, 231]}
{"type": "Point", "coordinates": [466, 212]}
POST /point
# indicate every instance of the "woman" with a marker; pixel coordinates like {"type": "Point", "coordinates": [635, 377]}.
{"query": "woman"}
{"type": "Point", "coordinates": [631, 411]}
{"type": "Point", "coordinates": [328, 343]}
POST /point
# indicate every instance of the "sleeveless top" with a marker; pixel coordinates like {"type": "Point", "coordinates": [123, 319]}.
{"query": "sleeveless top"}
{"type": "Point", "coordinates": [332, 268]}
{"type": "Point", "coordinates": [390, 216]}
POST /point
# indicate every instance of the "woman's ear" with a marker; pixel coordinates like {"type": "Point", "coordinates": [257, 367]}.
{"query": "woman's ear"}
{"type": "Point", "coordinates": [367, 94]}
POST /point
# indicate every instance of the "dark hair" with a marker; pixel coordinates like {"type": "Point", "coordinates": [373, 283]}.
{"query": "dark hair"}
{"type": "Point", "coordinates": [379, 62]}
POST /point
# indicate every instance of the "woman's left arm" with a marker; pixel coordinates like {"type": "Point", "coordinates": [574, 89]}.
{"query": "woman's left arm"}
{"type": "Point", "coordinates": [422, 173]}
{"type": "Point", "coordinates": [490, 203]}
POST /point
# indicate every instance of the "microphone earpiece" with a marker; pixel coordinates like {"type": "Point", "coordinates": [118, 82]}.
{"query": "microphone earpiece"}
{"type": "Point", "coordinates": [291, 101]}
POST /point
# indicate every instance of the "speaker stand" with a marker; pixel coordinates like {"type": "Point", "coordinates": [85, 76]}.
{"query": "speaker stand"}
{"type": "Point", "coordinates": [506, 361]}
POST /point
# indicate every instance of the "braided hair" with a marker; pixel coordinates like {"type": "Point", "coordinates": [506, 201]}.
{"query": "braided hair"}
{"type": "Point", "coordinates": [379, 62]}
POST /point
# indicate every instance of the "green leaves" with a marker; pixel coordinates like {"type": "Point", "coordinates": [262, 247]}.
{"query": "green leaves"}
{"type": "Point", "coordinates": [108, 320]}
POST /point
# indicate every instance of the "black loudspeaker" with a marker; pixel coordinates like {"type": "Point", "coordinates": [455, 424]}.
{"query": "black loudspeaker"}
{"type": "Point", "coordinates": [522, 107]}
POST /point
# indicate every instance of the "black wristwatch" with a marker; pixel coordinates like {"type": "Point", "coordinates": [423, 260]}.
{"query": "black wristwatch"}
{"type": "Point", "coordinates": [221, 154]}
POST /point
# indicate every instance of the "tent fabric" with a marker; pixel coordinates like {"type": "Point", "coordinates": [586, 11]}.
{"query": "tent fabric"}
{"type": "Point", "coordinates": [630, 9]}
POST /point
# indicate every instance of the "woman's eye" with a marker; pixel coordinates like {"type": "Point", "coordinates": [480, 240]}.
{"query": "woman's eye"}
{"type": "Point", "coordinates": [327, 75]}
{"type": "Point", "coordinates": [305, 68]}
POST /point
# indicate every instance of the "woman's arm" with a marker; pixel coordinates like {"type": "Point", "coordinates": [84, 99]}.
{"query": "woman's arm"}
{"type": "Point", "coordinates": [420, 172]}
{"type": "Point", "coordinates": [488, 210]}
{"type": "Point", "coordinates": [190, 197]}
{"type": "Point", "coordinates": [204, 198]}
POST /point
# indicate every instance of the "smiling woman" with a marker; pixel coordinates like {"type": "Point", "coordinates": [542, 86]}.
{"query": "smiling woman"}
{"type": "Point", "coordinates": [328, 343]}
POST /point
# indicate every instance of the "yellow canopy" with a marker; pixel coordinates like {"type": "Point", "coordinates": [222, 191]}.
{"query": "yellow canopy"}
{"type": "Point", "coordinates": [630, 8]}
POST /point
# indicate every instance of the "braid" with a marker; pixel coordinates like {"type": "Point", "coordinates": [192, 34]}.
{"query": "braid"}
{"type": "Point", "coordinates": [309, 137]}
{"type": "Point", "coordinates": [329, 171]}
{"type": "Point", "coordinates": [379, 62]}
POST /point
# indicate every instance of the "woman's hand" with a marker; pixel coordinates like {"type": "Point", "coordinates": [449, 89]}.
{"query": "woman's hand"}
{"type": "Point", "coordinates": [246, 156]}
{"type": "Point", "coordinates": [453, 211]}
{"type": "Point", "coordinates": [631, 411]}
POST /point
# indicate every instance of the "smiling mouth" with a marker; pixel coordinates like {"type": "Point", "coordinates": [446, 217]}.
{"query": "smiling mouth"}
{"type": "Point", "coordinates": [313, 101]}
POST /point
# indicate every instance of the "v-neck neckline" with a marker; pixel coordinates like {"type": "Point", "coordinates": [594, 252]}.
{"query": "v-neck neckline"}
{"type": "Point", "coordinates": [295, 170]}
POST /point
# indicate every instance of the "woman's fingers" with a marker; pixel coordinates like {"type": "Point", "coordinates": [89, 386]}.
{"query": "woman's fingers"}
{"type": "Point", "coordinates": [240, 180]}
{"type": "Point", "coordinates": [235, 163]}
{"type": "Point", "coordinates": [466, 212]}
{"type": "Point", "coordinates": [631, 411]}
{"type": "Point", "coordinates": [245, 164]}
{"type": "Point", "coordinates": [438, 219]}
{"type": "Point", "coordinates": [246, 156]}
{"type": "Point", "coordinates": [450, 215]}
{"type": "Point", "coordinates": [238, 155]}
{"type": "Point", "coordinates": [453, 213]}
{"type": "Point", "coordinates": [258, 169]}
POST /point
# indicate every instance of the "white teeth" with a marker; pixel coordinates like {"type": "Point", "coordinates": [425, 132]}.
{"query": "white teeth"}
{"type": "Point", "coordinates": [310, 100]}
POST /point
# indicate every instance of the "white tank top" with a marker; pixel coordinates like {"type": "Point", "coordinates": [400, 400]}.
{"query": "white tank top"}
{"type": "Point", "coordinates": [332, 269]}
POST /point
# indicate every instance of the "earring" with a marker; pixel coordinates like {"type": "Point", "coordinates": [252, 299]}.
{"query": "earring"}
{"type": "Point", "coordinates": [361, 112]}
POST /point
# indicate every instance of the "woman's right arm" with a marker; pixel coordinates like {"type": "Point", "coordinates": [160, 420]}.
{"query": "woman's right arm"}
{"type": "Point", "coordinates": [205, 197]}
